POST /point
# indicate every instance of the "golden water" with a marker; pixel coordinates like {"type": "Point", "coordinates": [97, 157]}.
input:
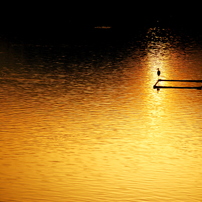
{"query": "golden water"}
{"type": "Point", "coordinates": [90, 126]}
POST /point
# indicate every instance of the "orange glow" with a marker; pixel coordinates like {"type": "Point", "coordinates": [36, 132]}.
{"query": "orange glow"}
{"type": "Point", "coordinates": [105, 136]}
{"type": "Point", "coordinates": [103, 27]}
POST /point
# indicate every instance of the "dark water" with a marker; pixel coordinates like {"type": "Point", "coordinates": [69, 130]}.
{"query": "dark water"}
{"type": "Point", "coordinates": [82, 122]}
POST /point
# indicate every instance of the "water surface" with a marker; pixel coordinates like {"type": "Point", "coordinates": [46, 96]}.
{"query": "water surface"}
{"type": "Point", "coordinates": [83, 122]}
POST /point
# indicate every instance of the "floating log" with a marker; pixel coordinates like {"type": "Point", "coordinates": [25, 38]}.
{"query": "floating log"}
{"type": "Point", "coordinates": [199, 81]}
{"type": "Point", "coordinates": [178, 87]}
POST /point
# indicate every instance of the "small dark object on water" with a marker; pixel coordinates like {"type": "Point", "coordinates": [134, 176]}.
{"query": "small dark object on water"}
{"type": "Point", "coordinates": [158, 72]}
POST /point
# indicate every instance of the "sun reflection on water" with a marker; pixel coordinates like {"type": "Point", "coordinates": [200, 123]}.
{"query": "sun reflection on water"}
{"type": "Point", "coordinates": [102, 134]}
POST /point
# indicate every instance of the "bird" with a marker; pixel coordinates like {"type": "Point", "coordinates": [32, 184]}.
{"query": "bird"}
{"type": "Point", "coordinates": [158, 72]}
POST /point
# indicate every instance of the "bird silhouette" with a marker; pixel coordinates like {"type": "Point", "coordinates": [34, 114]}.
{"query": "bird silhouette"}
{"type": "Point", "coordinates": [158, 72]}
